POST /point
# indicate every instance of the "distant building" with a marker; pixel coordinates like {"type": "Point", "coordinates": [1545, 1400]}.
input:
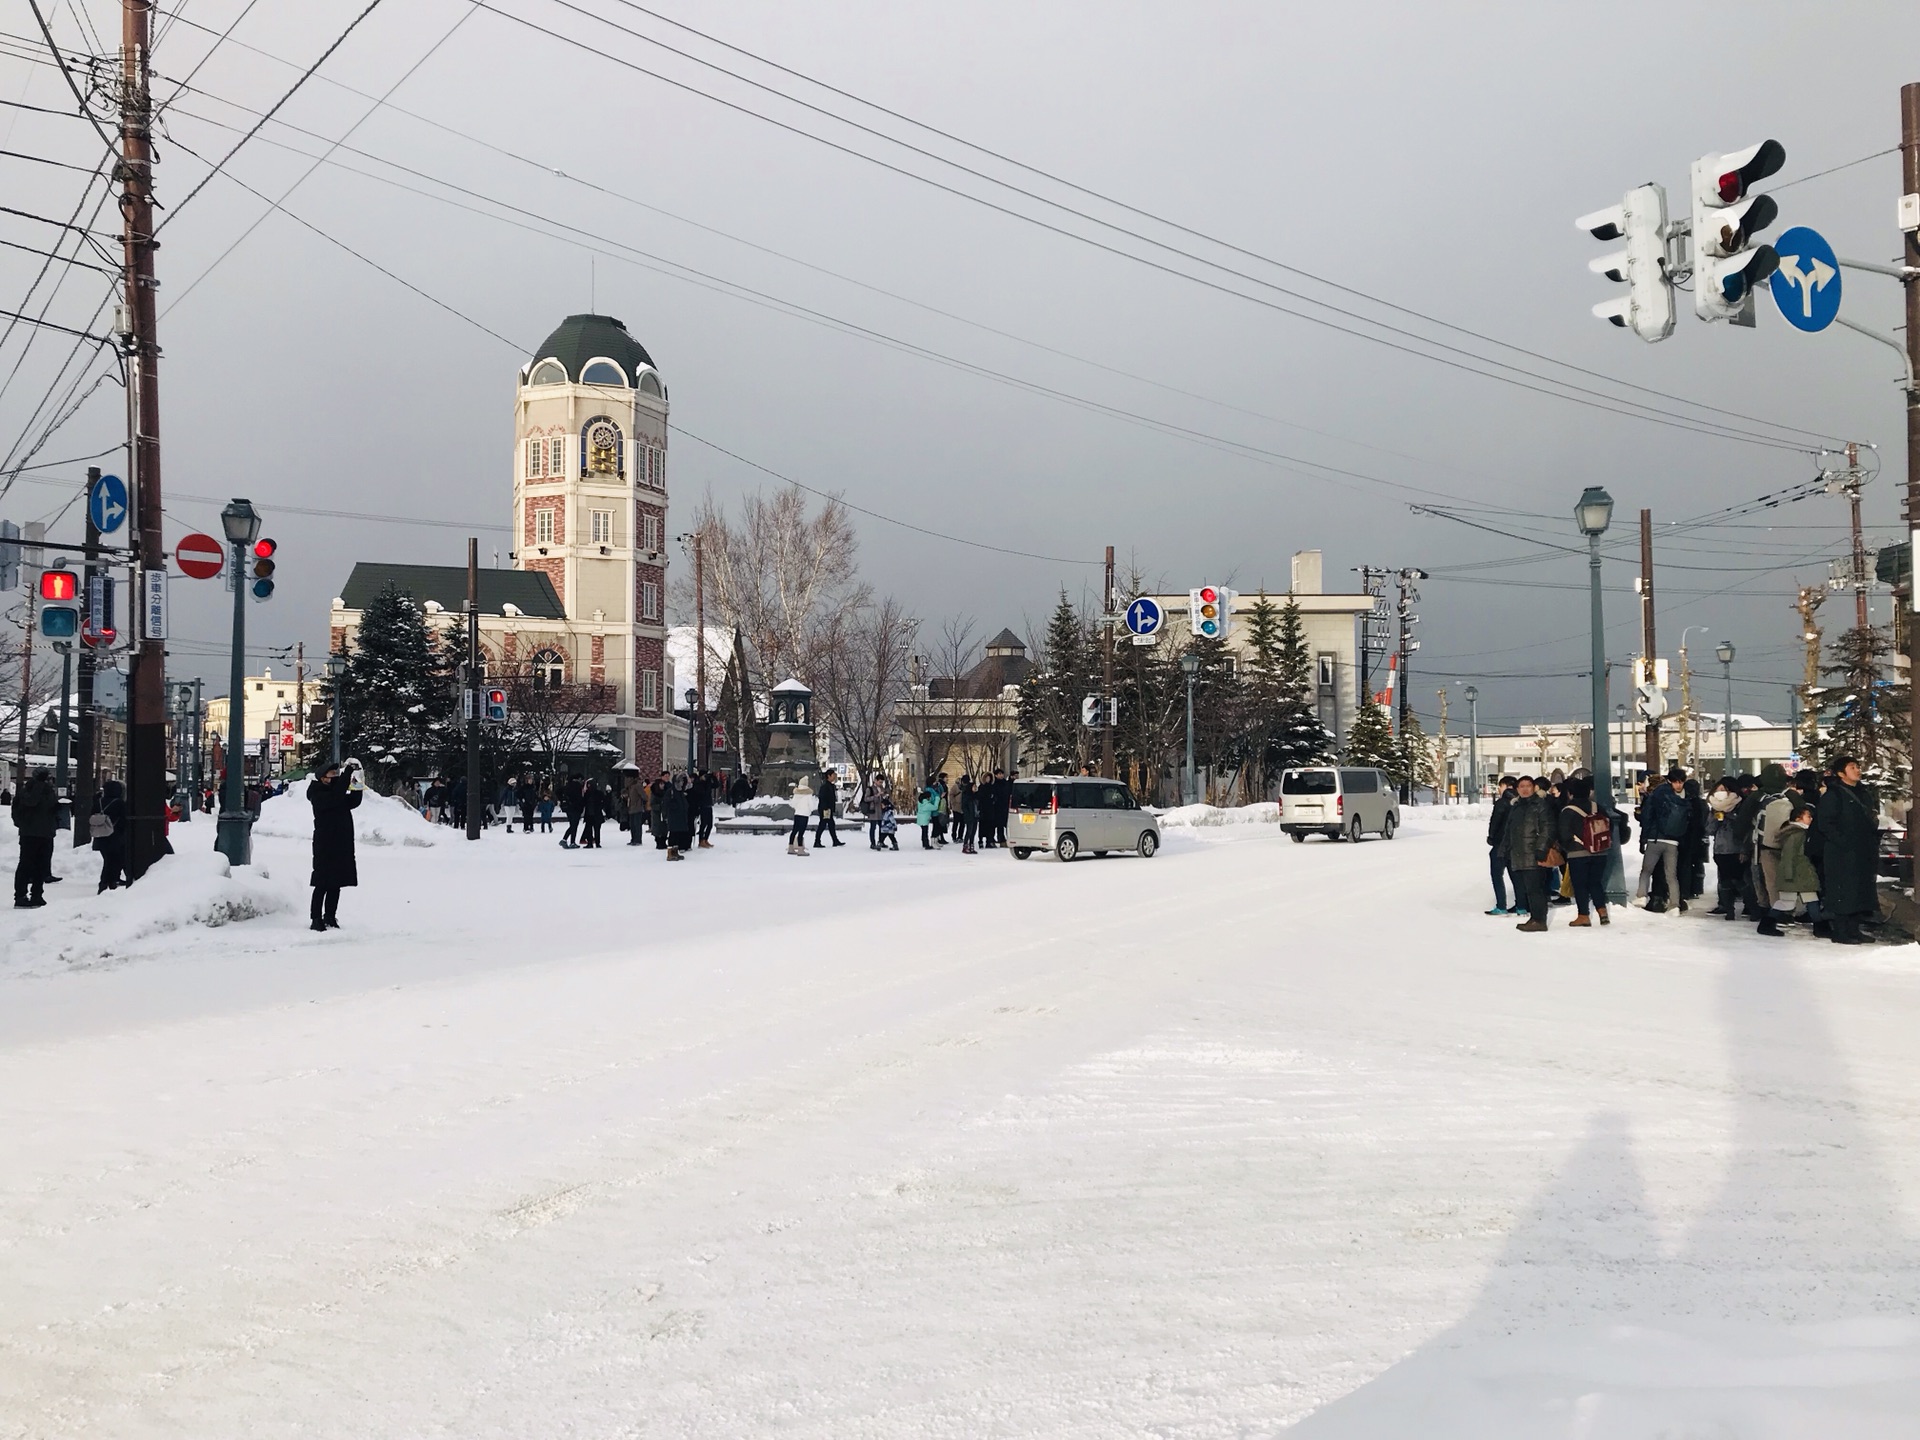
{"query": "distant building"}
{"type": "Point", "coordinates": [964, 724]}
{"type": "Point", "coordinates": [580, 619]}
{"type": "Point", "coordinates": [265, 695]}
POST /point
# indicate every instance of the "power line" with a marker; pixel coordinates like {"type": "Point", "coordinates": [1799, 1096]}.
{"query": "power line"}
{"type": "Point", "coordinates": [1610, 403]}
{"type": "Point", "coordinates": [1836, 169]}
{"type": "Point", "coordinates": [66, 74]}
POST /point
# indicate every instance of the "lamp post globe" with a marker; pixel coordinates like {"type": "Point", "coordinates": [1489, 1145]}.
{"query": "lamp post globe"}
{"type": "Point", "coordinates": [240, 522]}
{"type": "Point", "coordinates": [1594, 512]}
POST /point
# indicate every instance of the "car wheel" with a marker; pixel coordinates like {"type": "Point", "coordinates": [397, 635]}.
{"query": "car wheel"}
{"type": "Point", "coordinates": [1066, 847]}
{"type": "Point", "coordinates": [1353, 830]}
{"type": "Point", "coordinates": [1387, 827]}
{"type": "Point", "coordinates": [1020, 852]}
{"type": "Point", "coordinates": [1296, 837]}
{"type": "Point", "coordinates": [1149, 843]}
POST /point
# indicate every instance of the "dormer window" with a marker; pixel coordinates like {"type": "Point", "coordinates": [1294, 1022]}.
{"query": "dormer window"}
{"type": "Point", "coordinates": [548, 372]}
{"type": "Point", "coordinates": [603, 372]}
{"type": "Point", "coordinates": [649, 384]}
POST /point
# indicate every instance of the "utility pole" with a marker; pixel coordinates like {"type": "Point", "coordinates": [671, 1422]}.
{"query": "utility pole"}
{"type": "Point", "coordinates": [1106, 691]}
{"type": "Point", "coordinates": [1646, 634]}
{"type": "Point", "coordinates": [299, 699]}
{"type": "Point", "coordinates": [1810, 599]}
{"type": "Point", "coordinates": [90, 576]}
{"type": "Point", "coordinates": [1473, 744]}
{"type": "Point", "coordinates": [1408, 597]}
{"type": "Point", "coordinates": [1373, 580]}
{"type": "Point", "coordinates": [700, 650]}
{"type": "Point", "coordinates": [199, 743]}
{"type": "Point", "coordinates": [147, 680]}
{"type": "Point", "coordinates": [1910, 256]}
{"type": "Point", "coordinates": [1440, 750]}
{"type": "Point", "coordinates": [475, 800]}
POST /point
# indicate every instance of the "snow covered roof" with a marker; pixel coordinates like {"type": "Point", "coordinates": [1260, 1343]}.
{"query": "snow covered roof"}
{"type": "Point", "coordinates": [682, 652]}
{"type": "Point", "coordinates": [791, 686]}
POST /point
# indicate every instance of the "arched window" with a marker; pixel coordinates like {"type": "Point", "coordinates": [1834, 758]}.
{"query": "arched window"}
{"type": "Point", "coordinates": [601, 444]}
{"type": "Point", "coordinates": [548, 372]}
{"type": "Point", "coordinates": [603, 372]}
{"type": "Point", "coordinates": [548, 669]}
{"type": "Point", "coordinates": [649, 383]}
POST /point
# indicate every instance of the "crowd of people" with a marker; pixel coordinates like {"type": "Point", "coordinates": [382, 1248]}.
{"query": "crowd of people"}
{"type": "Point", "coordinates": [1786, 849]}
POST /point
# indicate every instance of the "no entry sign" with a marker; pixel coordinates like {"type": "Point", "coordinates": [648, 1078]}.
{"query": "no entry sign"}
{"type": "Point", "coordinates": [200, 556]}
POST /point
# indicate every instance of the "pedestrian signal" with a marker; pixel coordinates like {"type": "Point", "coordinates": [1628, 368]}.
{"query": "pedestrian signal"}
{"type": "Point", "coordinates": [496, 707]}
{"type": "Point", "coordinates": [59, 604]}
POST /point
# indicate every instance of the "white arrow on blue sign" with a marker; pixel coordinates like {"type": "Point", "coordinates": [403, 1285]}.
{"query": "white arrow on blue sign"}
{"type": "Point", "coordinates": [1144, 616]}
{"type": "Point", "coordinates": [1806, 287]}
{"type": "Point", "coordinates": [107, 504]}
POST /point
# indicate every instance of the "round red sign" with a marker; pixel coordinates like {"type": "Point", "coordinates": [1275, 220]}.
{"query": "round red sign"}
{"type": "Point", "coordinates": [200, 556]}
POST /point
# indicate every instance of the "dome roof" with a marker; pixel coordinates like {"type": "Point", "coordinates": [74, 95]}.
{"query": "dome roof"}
{"type": "Point", "coordinates": [579, 338]}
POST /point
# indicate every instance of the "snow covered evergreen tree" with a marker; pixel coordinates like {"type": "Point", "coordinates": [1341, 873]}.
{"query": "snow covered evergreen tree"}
{"type": "Point", "coordinates": [1412, 767]}
{"type": "Point", "coordinates": [1869, 711]}
{"type": "Point", "coordinates": [1370, 740]}
{"type": "Point", "coordinates": [1050, 697]}
{"type": "Point", "coordinates": [393, 710]}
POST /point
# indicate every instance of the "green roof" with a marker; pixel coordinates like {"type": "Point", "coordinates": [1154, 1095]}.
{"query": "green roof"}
{"type": "Point", "coordinates": [530, 590]}
{"type": "Point", "coordinates": [580, 338]}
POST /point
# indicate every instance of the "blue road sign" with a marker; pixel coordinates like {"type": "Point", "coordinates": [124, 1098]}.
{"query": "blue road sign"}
{"type": "Point", "coordinates": [1144, 616]}
{"type": "Point", "coordinates": [107, 504]}
{"type": "Point", "coordinates": [1806, 287]}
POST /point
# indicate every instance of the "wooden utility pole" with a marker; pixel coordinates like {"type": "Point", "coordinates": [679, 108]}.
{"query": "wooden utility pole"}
{"type": "Point", "coordinates": [1444, 769]}
{"type": "Point", "coordinates": [1106, 691]}
{"type": "Point", "coordinates": [1646, 634]}
{"type": "Point", "coordinates": [1810, 599]}
{"type": "Point", "coordinates": [704, 743]}
{"type": "Point", "coordinates": [1852, 486]}
{"type": "Point", "coordinates": [476, 801]}
{"type": "Point", "coordinates": [85, 780]}
{"type": "Point", "coordinates": [299, 701]}
{"type": "Point", "coordinates": [147, 682]}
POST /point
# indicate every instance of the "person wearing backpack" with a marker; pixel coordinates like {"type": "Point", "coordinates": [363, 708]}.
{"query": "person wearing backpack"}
{"type": "Point", "coordinates": [1769, 822]}
{"type": "Point", "coordinates": [1586, 837]}
{"type": "Point", "coordinates": [107, 826]}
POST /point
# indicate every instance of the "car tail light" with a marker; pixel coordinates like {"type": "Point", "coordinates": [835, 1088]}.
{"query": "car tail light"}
{"type": "Point", "coordinates": [1339, 804]}
{"type": "Point", "coordinates": [1053, 804]}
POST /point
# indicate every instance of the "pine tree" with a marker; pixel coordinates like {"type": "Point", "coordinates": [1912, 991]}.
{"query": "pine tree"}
{"type": "Point", "coordinates": [393, 710]}
{"type": "Point", "coordinates": [1869, 721]}
{"type": "Point", "coordinates": [1413, 764]}
{"type": "Point", "coordinates": [1218, 704]}
{"type": "Point", "coordinates": [1050, 697]}
{"type": "Point", "coordinates": [1370, 741]}
{"type": "Point", "coordinates": [1300, 738]}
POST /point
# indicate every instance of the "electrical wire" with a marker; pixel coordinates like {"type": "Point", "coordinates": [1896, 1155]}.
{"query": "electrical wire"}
{"type": "Point", "coordinates": [66, 74]}
{"type": "Point", "coordinates": [1835, 169]}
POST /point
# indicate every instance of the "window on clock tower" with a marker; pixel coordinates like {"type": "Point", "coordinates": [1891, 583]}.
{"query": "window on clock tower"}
{"type": "Point", "coordinates": [543, 527]}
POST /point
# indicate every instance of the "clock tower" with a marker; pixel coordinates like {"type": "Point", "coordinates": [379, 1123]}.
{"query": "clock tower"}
{"type": "Point", "coordinates": [590, 511]}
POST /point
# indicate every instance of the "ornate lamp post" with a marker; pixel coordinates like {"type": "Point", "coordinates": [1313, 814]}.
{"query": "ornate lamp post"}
{"type": "Point", "coordinates": [693, 698]}
{"type": "Point", "coordinates": [336, 669]}
{"type": "Point", "coordinates": [1725, 652]}
{"type": "Point", "coordinates": [1593, 514]}
{"type": "Point", "coordinates": [1473, 741]}
{"type": "Point", "coordinates": [234, 838]}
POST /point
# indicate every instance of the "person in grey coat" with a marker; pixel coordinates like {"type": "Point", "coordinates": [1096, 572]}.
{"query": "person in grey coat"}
{"type": "Point", "coordinates": [1529, 835]}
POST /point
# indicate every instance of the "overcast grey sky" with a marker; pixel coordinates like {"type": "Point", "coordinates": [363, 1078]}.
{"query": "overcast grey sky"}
{"type": "Point", "coordinates": [1431, 157]}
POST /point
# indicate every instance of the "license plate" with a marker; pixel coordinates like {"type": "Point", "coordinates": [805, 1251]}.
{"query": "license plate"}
{"type": "Point", "coordinates": [1026, 819]}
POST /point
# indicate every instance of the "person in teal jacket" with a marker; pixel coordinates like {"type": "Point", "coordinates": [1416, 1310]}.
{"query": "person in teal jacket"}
{"type": "Point", "coordinates": [924, 809]}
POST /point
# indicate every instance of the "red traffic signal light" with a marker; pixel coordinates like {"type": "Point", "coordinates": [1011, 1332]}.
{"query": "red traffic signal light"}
{"type": "Point", "coordinates": [264, 549]}
{"type": "Point", "coordinates": [60, 585]}
{"type": "Point", "coordinates": [1209, 594]}
{"type": "Point", "coordinates": [496, 697]}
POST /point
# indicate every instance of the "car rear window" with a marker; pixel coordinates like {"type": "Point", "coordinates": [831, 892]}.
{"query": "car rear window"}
{"type": "Point", "coordinates": [1032, 794]}
{"type": "Point", "coordinates": [1309, 782]}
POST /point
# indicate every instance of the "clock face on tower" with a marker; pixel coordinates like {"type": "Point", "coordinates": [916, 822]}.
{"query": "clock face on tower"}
{"type": "Point", "coordinates": [603, 448]}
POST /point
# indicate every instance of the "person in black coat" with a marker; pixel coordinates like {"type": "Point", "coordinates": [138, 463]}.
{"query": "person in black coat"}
{"type": "Point", "coordinates": [108, 828]}
{"type": "Point", "coordinates": [573, 801]}
{"type": "Point", "coordinates": [677, 814]}
{"type": "Point", "coordinates": [1848, 822]}
{"type": "Point", "coordinates": [827, 802]}
{"type": "Point", "coordinates": [1497, 851]}
{"type": "Point", "coordinates": [593, 814]}
{"type": "Point", "coordinates": [334, 800]}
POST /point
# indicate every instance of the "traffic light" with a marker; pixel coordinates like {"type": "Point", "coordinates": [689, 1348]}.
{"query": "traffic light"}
{"type": "Point", "coordinates": [263, 552]}
{"type": "Point", "coordinates": [1210, 612]}
{"type": "Point", "coordinates": [1641, 220]}
{"type": "Point", "coordinates": [1727, 267]}
{"type": "Point", "coordinates": [496, 707]}
{"type": "Point", "coordinates": [59, 603]}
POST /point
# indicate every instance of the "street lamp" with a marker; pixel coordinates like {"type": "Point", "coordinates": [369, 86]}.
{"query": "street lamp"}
{"type": "Point", "coordinates": [336, 668]}
{"type": "Point", "coordinates": [1620, 711]}
{"type": "Point", "coordinates": [1190, 667]}
{"type": "Point", "coordinates": [1689, 717]}
{"type": "Point", "coordinates": [693, 697]}
{"type": "Point", "coordinates": [1473, 741]}
{"type": "Point", "coordinates": [235, 835]}
{"type": "Point", "coordinates": [1725, 652]}
{"type": "Point", "coordinates": [1592, 514]}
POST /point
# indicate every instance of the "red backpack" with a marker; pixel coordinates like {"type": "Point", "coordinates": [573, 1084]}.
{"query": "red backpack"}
{"type": "Point", "coordinates": [1596, 832]}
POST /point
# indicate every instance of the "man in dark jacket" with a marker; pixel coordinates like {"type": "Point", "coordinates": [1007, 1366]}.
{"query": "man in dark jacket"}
{"type": "Point", "coordinates": [1664, 827]}
{"type": "Point", "coordinates": [108, 827]}
{"type": "Point", "coordinates": [705, 786]}
{"type": "Point", "coordinates": [573, 802]}
{"type": "Point", "coordinates": [1529, 835]}
{"type": "Point", "coordinates": [827, 798]}
{"type": "Point", "coordinates": [334, 799]}
{"type": "Point", "coordinates": [1497, 851]}
{"type": "Point", "coordinates": [676, 814]}
{"type": "Point", "coordinates": [741, 790]}
{"type": "Point", "coordinates": [1848, 821]}
{"type": "Point", "coordinates": [36, 815]}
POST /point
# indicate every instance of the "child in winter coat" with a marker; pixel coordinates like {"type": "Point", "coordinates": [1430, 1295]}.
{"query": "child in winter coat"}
{"type": "Point", "coordinates": [889, 824]}
{"type": "Point", "coordinates": [1797, 882]}
{"type": "Point", "coordinates": [925, 808]}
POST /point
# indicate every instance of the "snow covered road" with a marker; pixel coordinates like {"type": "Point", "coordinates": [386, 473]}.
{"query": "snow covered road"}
{"type": "Point", "coordinates": [552, 1143]}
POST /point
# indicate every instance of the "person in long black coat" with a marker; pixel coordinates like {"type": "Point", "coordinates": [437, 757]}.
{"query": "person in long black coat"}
{"type": "Point", "coordinates": [1848, 822]}
{"type": "Point", "coordinates": [334, 800]}
{"type": "Point", "coordinates": [111, 846]}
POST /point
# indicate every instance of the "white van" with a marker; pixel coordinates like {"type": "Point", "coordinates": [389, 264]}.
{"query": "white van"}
{"type": "Point", "coordinates": [1338, 803]}
{"type": "Point", "coordinates": [1077, 815]}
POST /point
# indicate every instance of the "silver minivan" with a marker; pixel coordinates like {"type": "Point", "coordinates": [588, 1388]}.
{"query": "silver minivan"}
{"type": "Point", "coordinates": [1341, 804]}
{"type": "Point", "coordinates": [1076, 814]}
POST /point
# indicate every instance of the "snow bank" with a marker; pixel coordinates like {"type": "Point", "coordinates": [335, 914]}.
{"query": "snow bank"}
{"type": "Point", "coordinates": [191, 889]}
{"type": "Point", "coordinates": [1267, 812]}
{"type": "Point", "coordinates": [1857, 1378]}
{"type": "Point", "coordinates": [380, 820]}
{"type": "Point", "coordinates": [764, 807]}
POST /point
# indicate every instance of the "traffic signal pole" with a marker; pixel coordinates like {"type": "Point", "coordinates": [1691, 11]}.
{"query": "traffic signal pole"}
{"type": "Point", "coordinates": [1646, 634]}
{"type": "Point", "coordinates": [475, 800]}
{"type": "Point", "coordinates": [147, 684]}
{"type": "Point", "coordinates": [1106, 692]}
{"type": "Point", "coordinates": [84, 782]}
{"type": "Point", "coordinates": [1910, 248]}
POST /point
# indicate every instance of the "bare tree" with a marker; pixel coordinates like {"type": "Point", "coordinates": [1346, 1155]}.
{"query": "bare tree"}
{"type": "Point", "coordinates": [781, 577]}
{"type": "Point", "coordinates": [861, 675]}
{"type": "Point", "coordinates": [950, 722]}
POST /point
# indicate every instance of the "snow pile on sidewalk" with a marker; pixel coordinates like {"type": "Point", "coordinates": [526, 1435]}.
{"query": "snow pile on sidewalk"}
{"type": "Point", "coordinates": [380, 820]}
{"type": "Point", "coordinates": [1197, 816]}
{"type": "Point", "coordinates": [193, 888]}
